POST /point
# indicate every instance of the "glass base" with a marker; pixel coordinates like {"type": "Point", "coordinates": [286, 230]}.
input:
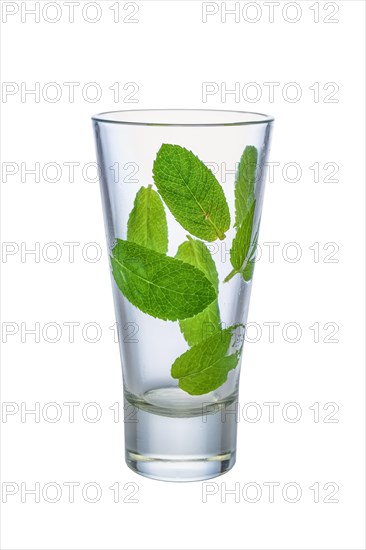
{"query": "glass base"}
{"type": "Point", "coordinates": [181, 448]}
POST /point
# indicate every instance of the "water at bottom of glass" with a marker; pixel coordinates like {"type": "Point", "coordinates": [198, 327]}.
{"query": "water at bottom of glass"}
{"type": "Point", "coordinates": [167, 441]}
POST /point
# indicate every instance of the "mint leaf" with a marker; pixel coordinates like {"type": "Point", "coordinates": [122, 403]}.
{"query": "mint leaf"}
{"type": "Point", "coordinates": [205, 367]}
{"type": "Point", "coordinates": [191, 192]}
{"type": "Point", "coordinates": [249, 268]}
{"type": "Point", "coordinates": [147, 221]}
{"type": "Point", "coordinates": [197, 328]}
{"type": "Point", "coordinates": [245, 183]}
{"type": "Point", "coordinates": [196, 253]}
{"type": "Point", "coordinates": [242, 251]}
{"type": "Point", "coordinates": [241, 244]}
{"type": "Point", "coordinates": [248, 271]}
{"type": "Point", "coordinates": [158, 285]}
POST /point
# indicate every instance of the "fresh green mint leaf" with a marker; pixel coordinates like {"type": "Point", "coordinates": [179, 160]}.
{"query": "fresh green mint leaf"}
{"type": "Point", "coordinates": [242, 251]}
{"type": "Point", "coordinates": [205, 366]}
{"type": "Point", "coordinates": [147, 221]}
{"type": "Point", "coordinates": [191, 192]}
{"type": "Point", "coordinates": [158, 285]}
{"type": "Point", "coordinates": [207, 322]}
{"type": "Point", "coordinates": [248, 271]}
{"type": "Point", "coordinates": [249, 268]}
{"type": "Point", "coordinates": [241, 245]}
{"type": "Point", "coordinates": [196, 253]}
{"type": "Point", "coordinates": [245, 183]}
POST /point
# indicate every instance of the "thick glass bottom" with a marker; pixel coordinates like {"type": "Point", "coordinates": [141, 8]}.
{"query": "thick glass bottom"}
{"type": "Point", "coordinates": [194, 469]}
{"type": "Point", "coordinates": [181, 448]}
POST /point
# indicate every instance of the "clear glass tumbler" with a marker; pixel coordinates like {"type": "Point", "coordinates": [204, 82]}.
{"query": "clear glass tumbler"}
{"type": "Point", "coordinates": [182, 194]}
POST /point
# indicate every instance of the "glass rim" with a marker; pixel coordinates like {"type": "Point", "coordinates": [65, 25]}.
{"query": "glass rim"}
{"type": "Point", "coordinates": [111, 117]}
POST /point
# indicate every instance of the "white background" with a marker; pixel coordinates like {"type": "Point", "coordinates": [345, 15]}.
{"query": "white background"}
{"type": "Point", "coordinates": [169, 53]}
